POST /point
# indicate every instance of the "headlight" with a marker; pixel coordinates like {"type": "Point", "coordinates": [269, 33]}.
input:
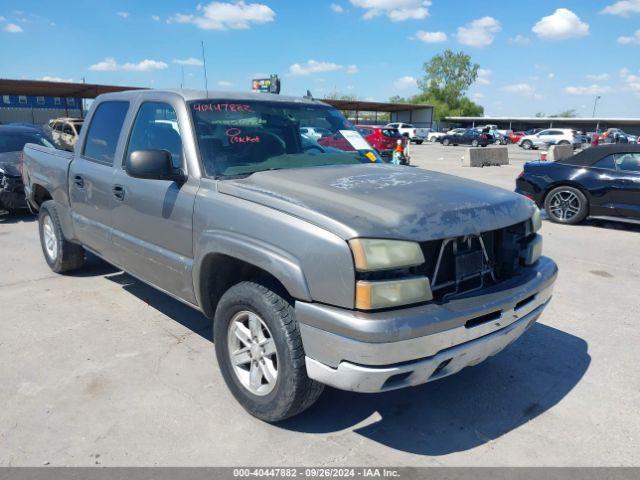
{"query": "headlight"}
{"type": "Point", "coordinates": [536, 220]}
{"type": "Point", "coordinates": [533, 251]}
{"type": "Point", "coordinates": [375, 254]}
{"type": "Point", "coordinates": [392, 293]}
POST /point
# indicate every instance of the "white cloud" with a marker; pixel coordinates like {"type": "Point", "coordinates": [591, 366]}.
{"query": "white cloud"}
{"type": "Point", "coordinates": [352, 69]}
{"type": "Point", "coordinates": [223, 16]}
{"type": "Point", "coordinates": [431, 37]}
{"type": "Point", "coordinates": [631, 81]}
{"type": "Point", "coordinates": [336, 8]}
{"type": "Point", "coordinates": [406, 83]}
{"type": "Point", "coordinates": [478, 95]}
{"type": "Point", "coordinates": [551, 75]}
{"type": "Point", "coordinates": [523, 89]}
{"type": "Point", "coordinates": [224, 84]}
{"type": "Point", "coordinates": [622, 8]}
{"type": "Point", "coordinates": [191, 62]}
{"type": "Point", "coordinates": [395, 10]}
{"type": "Point", "coordinates": [484, 76]}
{"type": "Point", "coordinates": [123, 14]}
{"type": "Point", "coordinates": [479, 33]}
{"type": "Point", "coordinates": [562, 24]}
{"type": "Point", "coordinates": [12, 28]}
{"type": "Point", "coordinates": [110, 65]}
{"type": "Point", "coordinates": [520, 40]}
{"type": "Point", "coordinates": [631, 40]}
{"type": "Point", "coordinates": [598, 77]}
{"type": "Point", "coordinates": [594, 89]}
{"type": "Point", "coordinates": [48, 78]}
{"type": "Point", "coordinates": [313, 66]}
{"type": "Point", "coordinates": [155, 18]}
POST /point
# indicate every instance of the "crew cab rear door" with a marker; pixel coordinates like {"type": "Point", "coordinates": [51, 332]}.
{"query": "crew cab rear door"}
{"type": "Point", "coordinates": [153, 219]}
{"type": "Point", "coordinates": [91, 174]}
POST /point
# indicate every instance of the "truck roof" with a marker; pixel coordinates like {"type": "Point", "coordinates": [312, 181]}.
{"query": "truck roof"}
{"type": "Point", "coordinates": [189, 95]}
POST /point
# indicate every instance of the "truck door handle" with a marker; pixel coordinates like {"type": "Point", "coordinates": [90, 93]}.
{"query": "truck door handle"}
{"type": "Point", "coordinates": [118, 192]}
{"type": "Point", "coordinates": [79, 181]}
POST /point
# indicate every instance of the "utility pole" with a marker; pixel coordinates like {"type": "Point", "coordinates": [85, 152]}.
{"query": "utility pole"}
{"type": "Point", "coordinates": [204, 66]}
{"type": "Point", "coordinates": [595, 104]}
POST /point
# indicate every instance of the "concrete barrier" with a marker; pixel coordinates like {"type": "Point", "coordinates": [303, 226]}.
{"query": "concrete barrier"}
{"type": "Point", "coordinates": [558, 152]}
{"type": "Point", "coordinates": [485, 157]}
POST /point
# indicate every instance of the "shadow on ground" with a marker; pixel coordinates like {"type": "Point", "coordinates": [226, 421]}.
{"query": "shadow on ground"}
{"type": "Point", "coordinates": [454, 414]}
{"type": "Point", "coordinates": [21, 216]}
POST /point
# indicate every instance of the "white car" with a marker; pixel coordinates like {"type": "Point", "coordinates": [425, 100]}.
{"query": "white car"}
{"type": "Point", "coordinates": [314, 133]}
{"type": "Point", "coordinates": [416, 135]}
{"type": "Point", "coordinates": [551, 136]}
{"type": "Point", "coordinates": [435, 136]}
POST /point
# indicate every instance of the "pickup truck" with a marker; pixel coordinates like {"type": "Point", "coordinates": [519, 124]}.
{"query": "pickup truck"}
{"type": "Point", "coordinates": [416, 135]}
{"type": "Point", "coordinates": [318, 265]}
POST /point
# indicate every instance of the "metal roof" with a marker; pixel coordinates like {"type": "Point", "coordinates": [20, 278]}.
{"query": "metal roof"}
{"type": "Point", "coordinates": [89, 90]}
{"type": "Point", "coordinates": [631, 121]}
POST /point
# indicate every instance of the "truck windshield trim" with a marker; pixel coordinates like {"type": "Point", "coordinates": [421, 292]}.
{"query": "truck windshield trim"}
{"type": "Point", "coordinates": [239, 138]}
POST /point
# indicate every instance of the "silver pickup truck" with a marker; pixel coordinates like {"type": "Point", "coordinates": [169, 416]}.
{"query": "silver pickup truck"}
{"type": "Point", "coordinates": [318, 263]}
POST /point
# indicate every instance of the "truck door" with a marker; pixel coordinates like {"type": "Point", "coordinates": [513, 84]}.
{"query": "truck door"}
{"type": "Point", "coordinates": [153, 219]}
{"type": "Point", "coordinates": [91, 178]}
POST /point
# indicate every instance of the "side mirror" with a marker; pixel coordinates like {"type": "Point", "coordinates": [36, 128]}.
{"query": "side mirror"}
{"type": "Point", "coordinates": [152, 165]}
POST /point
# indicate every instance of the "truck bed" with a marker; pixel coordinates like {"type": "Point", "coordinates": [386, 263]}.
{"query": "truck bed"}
{"type": "Point", "coordinates": [47, 168]}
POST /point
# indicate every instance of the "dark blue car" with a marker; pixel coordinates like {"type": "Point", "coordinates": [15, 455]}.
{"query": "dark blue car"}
{"type": "Point", "coordinates": [599, 182]}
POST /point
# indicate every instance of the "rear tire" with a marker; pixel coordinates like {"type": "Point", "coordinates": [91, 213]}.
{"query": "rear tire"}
{"type": "Point", "coordinates": [566, 205]}
{"type": "Point", "coordinates": [273, 348]}
{"type": "Point", "coordinates": [474, 143]}
{"type": "Point", "coordinates": [446, 142]}
{"type": "Point", "coordinates": [61, 255]}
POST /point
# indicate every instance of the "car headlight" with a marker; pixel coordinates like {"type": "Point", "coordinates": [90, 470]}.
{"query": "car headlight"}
{"type": "Point", "coordinates": [371, 254]}
{"type": "Point", "coordinates": [392, 293]}
{"type": "Point", "coordinates": [536, 220]}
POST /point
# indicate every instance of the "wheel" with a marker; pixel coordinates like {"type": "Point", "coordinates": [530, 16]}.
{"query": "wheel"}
{"type": "Point", "coordinates": [419, 142]}
{"type": "Point", "coordinates": [61, 254]}
{"type": "Point", "coordinates": [474, 143]}
{"type": "Point", "coordinates": [260, 353]}
{"type": "Point", "coordinates": [446, 142]}
{"type": "Point", "coordinates": [527, 144]}
{"type": "Point", "coordinates": [563, 142]}
{"type": "Point", "coordinates": [566, 205]}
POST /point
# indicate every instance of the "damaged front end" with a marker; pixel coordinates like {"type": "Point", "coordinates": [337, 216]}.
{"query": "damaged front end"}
{"type": "Point", "coordinates": [12, 195]}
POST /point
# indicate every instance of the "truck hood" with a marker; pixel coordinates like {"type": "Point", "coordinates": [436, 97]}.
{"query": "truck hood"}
{"type": "Point", "coordinates": [383, 201]}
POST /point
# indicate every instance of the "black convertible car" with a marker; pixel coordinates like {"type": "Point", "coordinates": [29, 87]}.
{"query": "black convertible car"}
{"type": "Point", "coordinates": [599, 182]}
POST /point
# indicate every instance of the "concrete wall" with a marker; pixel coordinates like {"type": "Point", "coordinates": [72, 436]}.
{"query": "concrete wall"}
{"type": "Point", "coordinates": [483, 157]}
{"type": "Point", "coordinates": [558, 152]}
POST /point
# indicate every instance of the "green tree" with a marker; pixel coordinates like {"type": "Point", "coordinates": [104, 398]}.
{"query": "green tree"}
{"type": "Point", "coordinates": [448, 76]}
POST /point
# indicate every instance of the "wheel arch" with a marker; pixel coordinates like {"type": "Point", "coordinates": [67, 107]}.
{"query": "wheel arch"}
{"type": "Point", "coordinates": [567, 183]}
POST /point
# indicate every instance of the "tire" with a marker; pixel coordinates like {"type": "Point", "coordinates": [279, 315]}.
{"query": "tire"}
{"type": "Point", "coordinates": [61, 255]}
{"type": "Point", "coordinates": [563, 142]}
{"type": "Point", "coordinates": [292, 391]}
{"type": "Point", "coordinates": [446, 142]}
{"type": "Point", "coordinates": [527, 144]}
{"type": "Point", "coordinates": [566, 205]}
{"type": "Point", "coordinates": [474, 143]}
{"type": "Point", "coordinates": [419, 142]}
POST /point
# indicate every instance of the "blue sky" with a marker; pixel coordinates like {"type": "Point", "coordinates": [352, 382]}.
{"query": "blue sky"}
{"type": "Point", "coordinates": [547, 55]}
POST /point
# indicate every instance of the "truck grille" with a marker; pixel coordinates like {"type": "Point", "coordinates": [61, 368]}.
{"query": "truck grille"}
{"type": "Point", "coordinates": [460, 265]}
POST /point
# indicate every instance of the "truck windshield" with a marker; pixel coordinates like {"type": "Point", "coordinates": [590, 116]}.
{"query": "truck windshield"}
{"type": "Point", "coordinates": [244, 137]}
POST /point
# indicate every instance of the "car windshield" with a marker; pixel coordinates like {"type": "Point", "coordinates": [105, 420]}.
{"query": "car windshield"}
{"type": "Point", "coordinates": [241, 138]}
{"type": "Point", "coordinates": [15, 142]}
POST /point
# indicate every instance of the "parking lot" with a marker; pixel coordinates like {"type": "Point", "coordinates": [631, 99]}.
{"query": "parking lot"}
{"type": "Point", "coordinates": [100, 369]}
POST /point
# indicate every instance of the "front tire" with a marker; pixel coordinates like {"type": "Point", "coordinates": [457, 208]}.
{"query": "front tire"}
{"type": "Point", "coordinates": [446, 142]}
{"type": "Point", "coordinates": [260, 352]}
{"type": "Point", "coordinates": [566, 205]}
{"type": "Point", "coordinates": [474, 143]}
{"type": "Point", "coordinates": [527, 145]}
{"type": "Point", "coordinates": [61, 255]}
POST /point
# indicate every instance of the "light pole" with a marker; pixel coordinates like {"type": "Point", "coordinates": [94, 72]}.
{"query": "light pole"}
{"type": "Point", "coordinates": [595, 105]}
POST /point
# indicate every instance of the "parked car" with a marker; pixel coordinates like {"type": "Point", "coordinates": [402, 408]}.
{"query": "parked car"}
{"type": "Point", "coordinates": [382, 139]}
{"type": "Point", "coordinates": [601, 181]}
{"type": "Point", "coordinates": [416, 135]}
{"type": "Point", "coordinates": [551, 136]}
{"type": "Point", "coordinates": [436, 136]}
{"type": "Point", "coordinates": [65, 131]}
{"type": "Point", "coordinates": [515, 137]}
{"type": "Point", "coordinates": [613, 134]}
{"type": "Point", "coordinates": [317, 266]}
{"type": "Point", "coordinates": [315, 133]}
{"type": "Point", "coordinates": [12, 140]}
{"type": "Point", "coordinates": [470, 136]}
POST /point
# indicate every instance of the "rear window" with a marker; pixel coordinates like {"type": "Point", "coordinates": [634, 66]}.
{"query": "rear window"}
{"type": "Point", "coordinates": [104, 131]}
{"type": "Point", "coordinates": [389, 132]}
{"type": "Point", "coordinates": [15, 142]}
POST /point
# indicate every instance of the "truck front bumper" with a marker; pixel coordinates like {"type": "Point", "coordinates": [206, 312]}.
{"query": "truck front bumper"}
{"type": "Point", "coordinates": [374, 352]}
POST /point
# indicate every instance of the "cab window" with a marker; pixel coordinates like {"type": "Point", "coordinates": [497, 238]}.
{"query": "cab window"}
{"type": "Point", "coordinates": [156, 128]}
{"type": "Point", "coordinates": [104, 131]}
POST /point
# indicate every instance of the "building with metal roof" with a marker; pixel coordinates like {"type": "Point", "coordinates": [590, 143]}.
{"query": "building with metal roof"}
{"type": "Point", "coordinates": [630, 125]}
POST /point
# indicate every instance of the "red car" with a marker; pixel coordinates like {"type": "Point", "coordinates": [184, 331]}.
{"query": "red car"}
{"type": "Point", "coordinates": [516, 136]}
{"type": "Point", "coordinates": [382, 139]}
